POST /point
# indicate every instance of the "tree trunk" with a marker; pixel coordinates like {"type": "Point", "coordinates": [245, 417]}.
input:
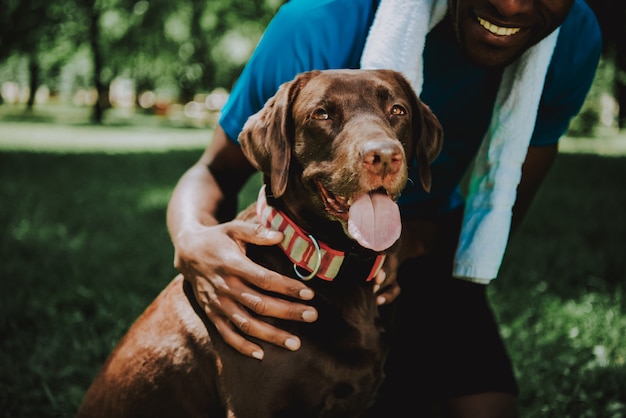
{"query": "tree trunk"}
{"type": "Point", "coordinates": [94, 39]}
{"type": "Point", "coordinates": [33, 80]}
{"type": "Point", "coordinates": [620, 82]}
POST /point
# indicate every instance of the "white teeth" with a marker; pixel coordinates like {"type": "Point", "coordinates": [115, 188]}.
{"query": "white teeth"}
{"type": "Point", "coordinates": [497, 30]}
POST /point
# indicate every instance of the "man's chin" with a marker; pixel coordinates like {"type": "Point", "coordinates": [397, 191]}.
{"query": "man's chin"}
{"type": "Point", "coordinates": [492, 59]}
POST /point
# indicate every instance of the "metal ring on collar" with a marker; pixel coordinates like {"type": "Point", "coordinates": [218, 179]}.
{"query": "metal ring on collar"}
{"type": "Point", "coordinates": [317, 265]}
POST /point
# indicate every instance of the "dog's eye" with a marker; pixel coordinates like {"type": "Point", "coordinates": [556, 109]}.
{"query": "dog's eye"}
{"type": "Point", "coordinates": [320, 114]}
{"type": "Point", "coordinates": [398, 110]}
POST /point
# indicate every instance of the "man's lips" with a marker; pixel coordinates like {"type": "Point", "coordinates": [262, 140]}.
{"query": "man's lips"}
{"type": "Point", "coordinates": [497, 30]}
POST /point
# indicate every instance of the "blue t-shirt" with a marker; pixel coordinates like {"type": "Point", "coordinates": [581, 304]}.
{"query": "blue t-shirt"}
{"type": "Point", "coordinates": [329, 34]}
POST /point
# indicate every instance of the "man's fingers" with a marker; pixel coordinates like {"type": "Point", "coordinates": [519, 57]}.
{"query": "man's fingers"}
{"type": "Point", "coordinates": [262, 304]}
{"type": "Point", "coordinates": [269, 280]}
{"type": "Point", "coordinates": [234, 339]}
{"type": "Point", "coordinates": [242, 322]}
{"type": "Point", "coordinates": [278, 308]}
{"type": "Point", "coordinates": [379, 280]}
{"type": "Point", "coordinates": [269, 333]}
{"type": "Point", "coordinates": [254, 233]}
{"type": "Point", "coordinates": [388, 294]}
{"type": "Point", "coordinates": [259, 276]}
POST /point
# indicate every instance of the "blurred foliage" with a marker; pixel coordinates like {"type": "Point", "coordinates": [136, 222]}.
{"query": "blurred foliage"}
{"type": "Point", "coordinates": [187, 47]}
{"type": "Point", "coordinates": [605, 108]}
{"type": "Point", "coordinates": [193, 46]}
{"type": "Point", "coordinates": [599, 108]}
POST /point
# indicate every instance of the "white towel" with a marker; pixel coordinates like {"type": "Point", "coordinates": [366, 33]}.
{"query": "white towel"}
{"type": "Point", "coordinates": [396, 41]}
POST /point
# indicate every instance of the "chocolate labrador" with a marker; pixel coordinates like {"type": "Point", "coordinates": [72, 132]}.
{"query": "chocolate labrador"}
{"type": "Point", "coordinates": [334, 147]}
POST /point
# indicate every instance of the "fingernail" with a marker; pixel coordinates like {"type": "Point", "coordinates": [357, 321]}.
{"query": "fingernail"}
{"type": "Point", "coordinates": [376, 288]}
{"type": "Point", "coordinates": [292, 343]}
{"type": "Point", "coordinates": [306, 294]}
{"type": "Point", "coordinates": [239, 320]}
{"type": "Point", "coordinates": [257, 355]}
{"type": "Point", "coordinates": [251, 298]}
{"type": "Point", "coordinates": [309, 316]}
{"type": "Point", "coordinates": [380, 300]}
{"type": "Point", "coordinates": [271, 234]}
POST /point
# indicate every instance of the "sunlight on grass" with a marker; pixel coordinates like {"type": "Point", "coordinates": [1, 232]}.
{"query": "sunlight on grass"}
{"type": "Point", "coordinates": [154, 199]}
{"type": "Point", "coordinates": [611, 145]}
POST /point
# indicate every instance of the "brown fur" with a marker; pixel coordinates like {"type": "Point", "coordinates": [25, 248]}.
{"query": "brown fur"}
{"type": "Point", "coordinates": [173, 363]}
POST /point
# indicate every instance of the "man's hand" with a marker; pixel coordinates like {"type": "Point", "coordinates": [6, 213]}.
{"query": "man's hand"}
{"type": "Point", "coordinates": [417, 239]}
{"type": "Point", "coordinates": [387, 288]}
{"type": "Point", "coordinates": [213, 260]}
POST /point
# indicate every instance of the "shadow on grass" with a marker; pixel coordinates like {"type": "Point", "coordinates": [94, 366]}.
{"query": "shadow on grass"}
{"type": "Point", "coordinates": [31, 118]}
{"type": "Point", "coordinates": [85, 249]}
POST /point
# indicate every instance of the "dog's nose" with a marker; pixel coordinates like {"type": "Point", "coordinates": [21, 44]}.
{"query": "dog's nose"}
{"type": "Point", "coordinates": [382, 157]}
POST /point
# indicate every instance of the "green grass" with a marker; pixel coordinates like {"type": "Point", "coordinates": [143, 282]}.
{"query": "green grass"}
{"type": "Point", "coordinates": [84, 248]}
{"type": "Point", "coordinates": [560, 295]}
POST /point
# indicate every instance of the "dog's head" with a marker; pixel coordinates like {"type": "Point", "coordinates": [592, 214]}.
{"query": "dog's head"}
{"type": "Point", "coordinates": [336, 145]}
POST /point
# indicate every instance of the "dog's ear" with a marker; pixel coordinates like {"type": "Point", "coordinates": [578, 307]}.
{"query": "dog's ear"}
{"type": "Point", "coordinates": [429, 142]}
{"type": "Point", "coordinates": [427, 133]}
{"type": "Point", "coordinates": [268, 135]}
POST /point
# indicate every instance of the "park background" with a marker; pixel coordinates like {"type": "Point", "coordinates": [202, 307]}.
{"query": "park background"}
{"type": "Point", "coordinates": [105, 103]}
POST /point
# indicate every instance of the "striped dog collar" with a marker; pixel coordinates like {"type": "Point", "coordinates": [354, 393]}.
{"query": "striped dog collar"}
{"type": "Point", "coordinates": [304, 251]}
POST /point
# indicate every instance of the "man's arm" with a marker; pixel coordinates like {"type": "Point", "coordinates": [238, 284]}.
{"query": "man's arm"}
{"type": "Point", "coordinates": [210, 252]}
{"type": "Point", "coordinates": [536, 166]}
{"type": "Point", "coordinates": [206, 193]}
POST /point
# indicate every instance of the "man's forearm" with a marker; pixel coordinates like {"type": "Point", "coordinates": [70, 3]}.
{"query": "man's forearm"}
{"type": "Point", "coordinates": [536, 167]}
{"type": "Point", "coordinates": [194, 201]}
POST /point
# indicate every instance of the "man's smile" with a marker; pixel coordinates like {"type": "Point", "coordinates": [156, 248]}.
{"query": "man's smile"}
{"type": "Point", "coordinates": [497, 30]}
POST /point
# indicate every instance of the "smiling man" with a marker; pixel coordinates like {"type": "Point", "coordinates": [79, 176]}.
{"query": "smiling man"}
{"type": "Point", "coordinates": [504, 78]}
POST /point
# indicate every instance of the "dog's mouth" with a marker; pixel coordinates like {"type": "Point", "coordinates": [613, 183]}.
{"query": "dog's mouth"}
{"type": "Point", "coordinates": [337, 206]}
{"type": "Point", "coordinates": [371, 218]}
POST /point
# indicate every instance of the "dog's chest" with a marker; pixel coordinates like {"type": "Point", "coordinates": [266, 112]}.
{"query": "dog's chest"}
{"type": "Point", "coordinates": [335, 378]}
{"type": "Point", "coordinates": [334, 373]}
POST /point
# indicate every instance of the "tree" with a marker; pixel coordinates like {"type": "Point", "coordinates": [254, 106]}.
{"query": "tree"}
{"type": "Point", "coordinates": [27, 27]}
{"type": "Point", "coordinates": [612, 17]}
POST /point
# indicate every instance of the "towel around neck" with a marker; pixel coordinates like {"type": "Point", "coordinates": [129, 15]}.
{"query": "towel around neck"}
{"type": "Point", "coordinates": [396, 41]}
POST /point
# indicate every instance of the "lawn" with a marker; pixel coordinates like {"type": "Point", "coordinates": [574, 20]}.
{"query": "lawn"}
{"type": "Point", "coordinates": [84, 249]}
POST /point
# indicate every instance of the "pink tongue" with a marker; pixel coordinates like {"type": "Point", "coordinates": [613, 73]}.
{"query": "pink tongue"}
{"type": "Point", "coordinates": [374, 221]}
